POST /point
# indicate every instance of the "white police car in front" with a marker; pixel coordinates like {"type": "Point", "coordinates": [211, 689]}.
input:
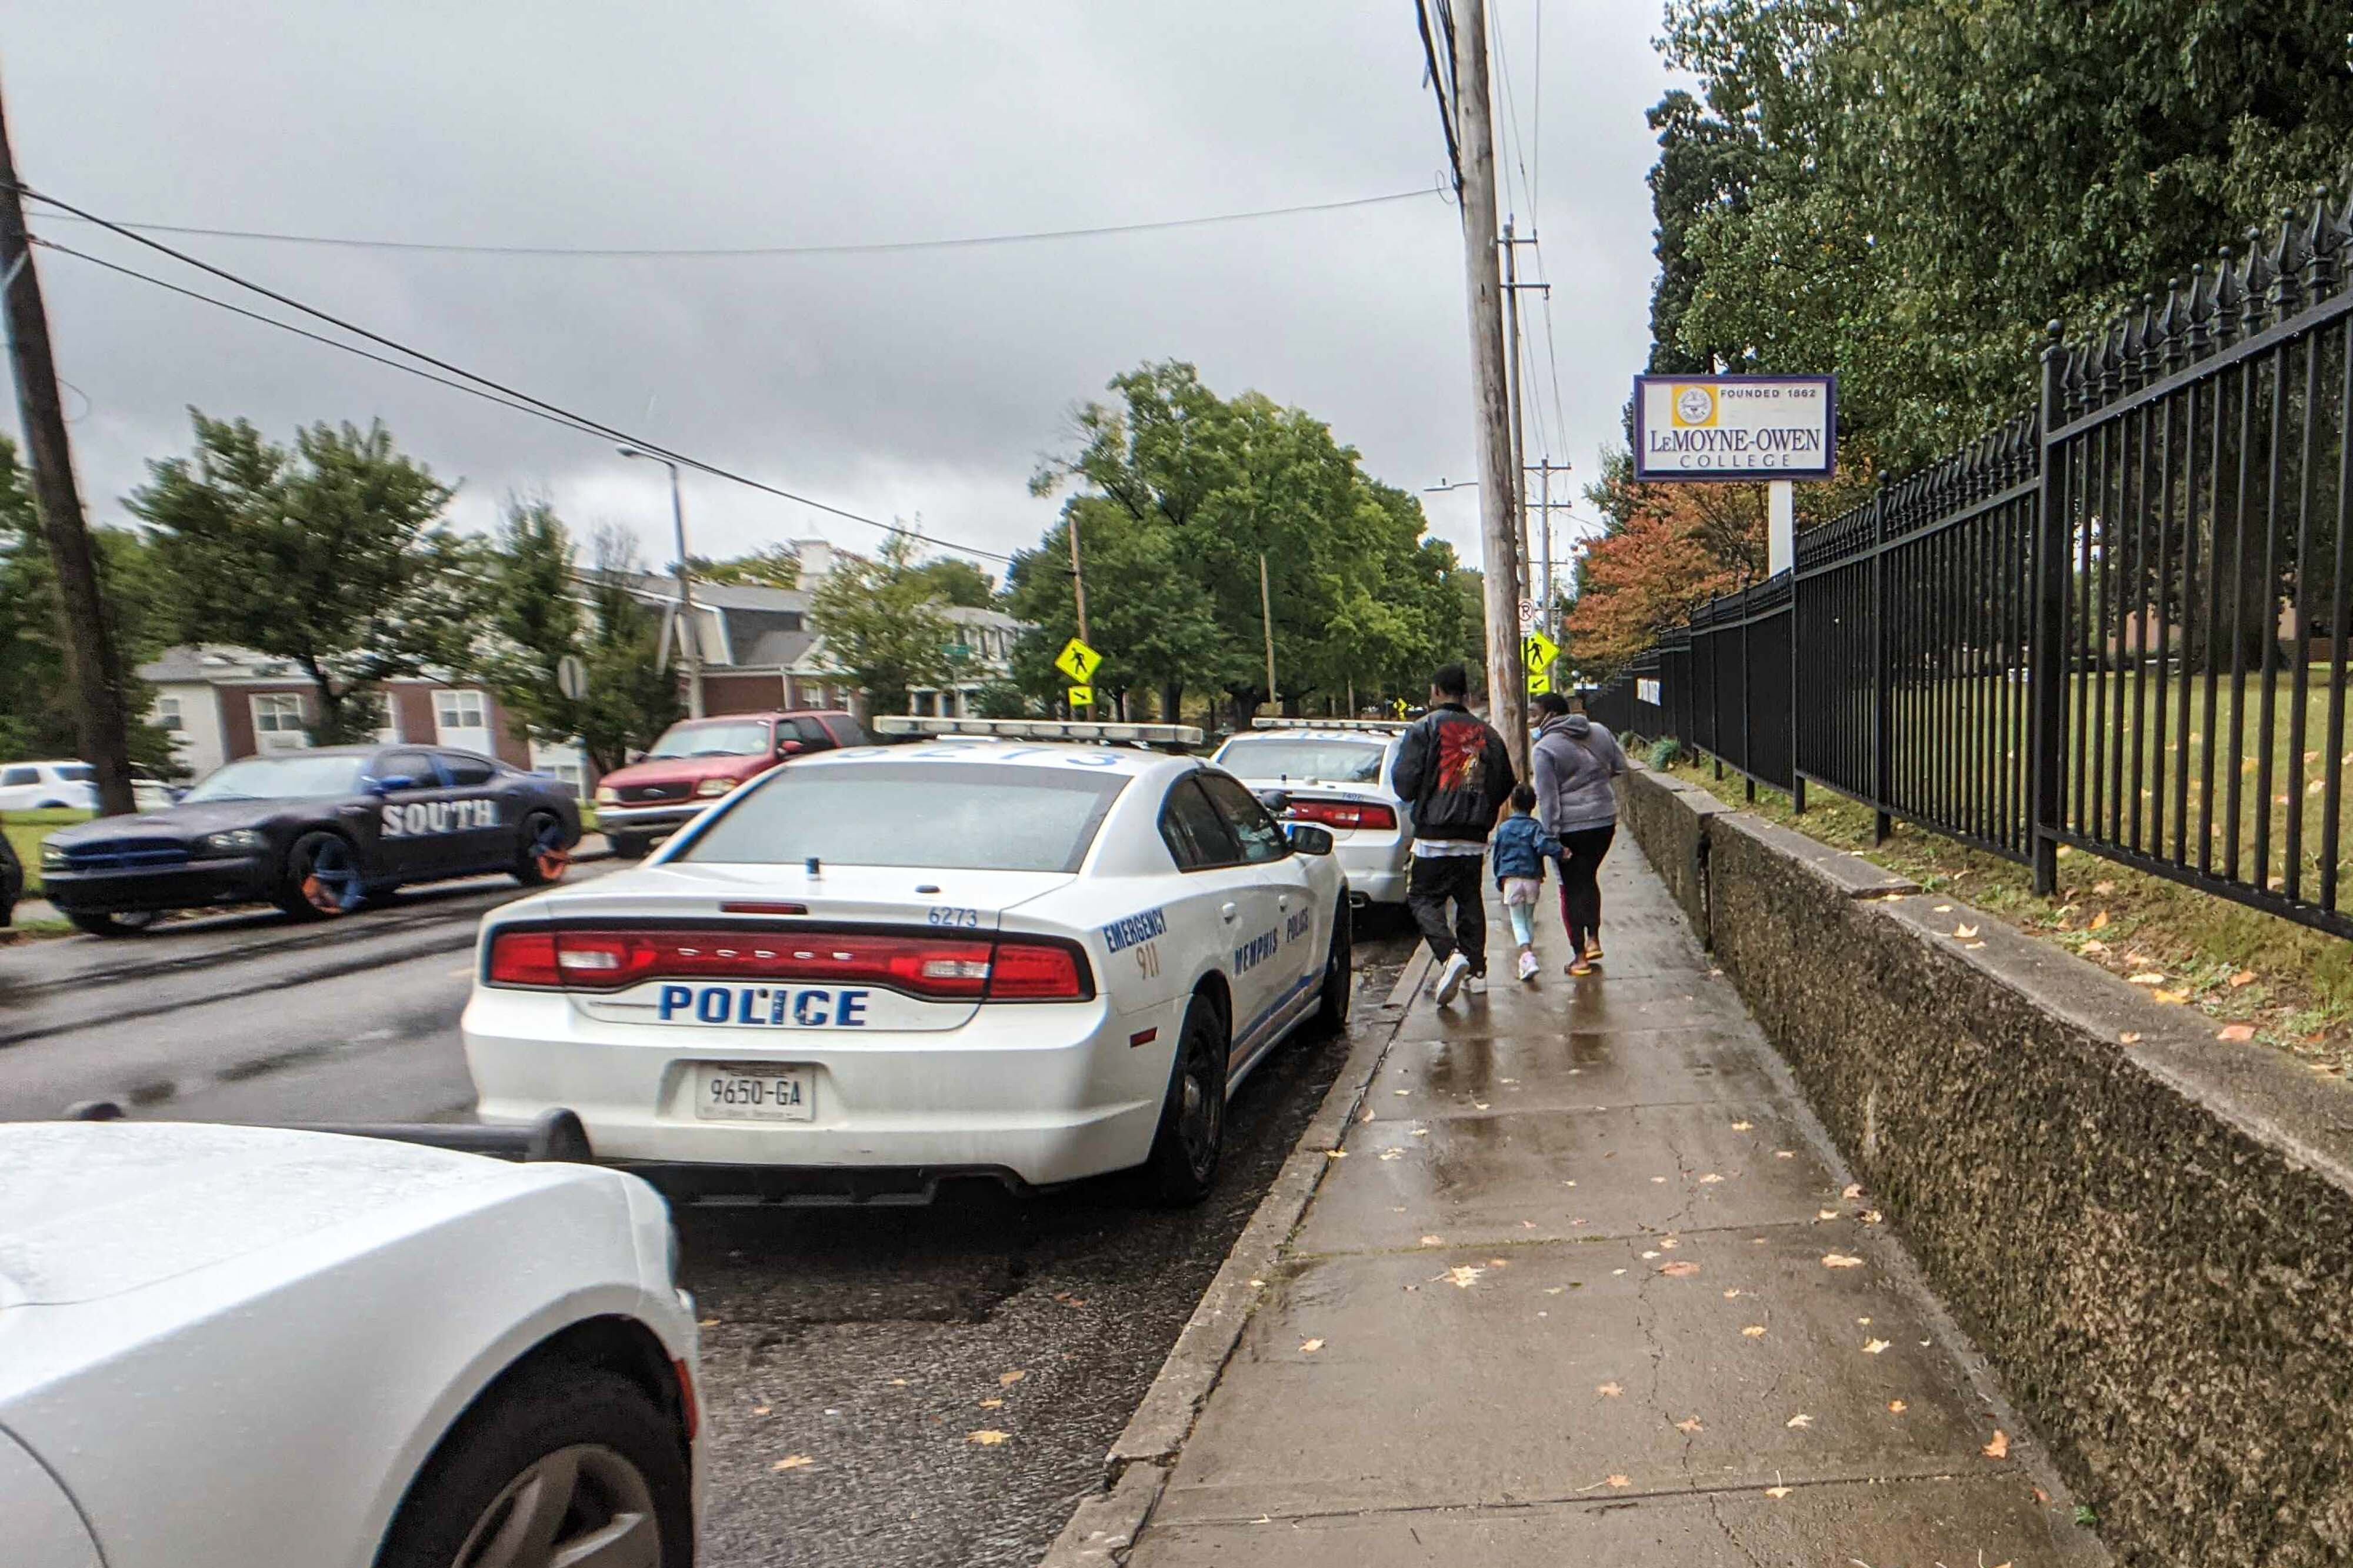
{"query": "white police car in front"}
{"type": "Point", "coordinates": [1028, 960]}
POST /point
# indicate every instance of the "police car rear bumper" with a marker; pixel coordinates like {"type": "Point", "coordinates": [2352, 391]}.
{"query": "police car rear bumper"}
{"type": "Point", "coordinates": [196, 885]}
{"type": "Point", "coordinates": [1375, 868]}
{"type": "Point", "coordinates": [1046, 1092]}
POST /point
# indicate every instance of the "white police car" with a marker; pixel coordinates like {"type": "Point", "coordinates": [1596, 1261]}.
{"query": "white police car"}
{"type": "Point", "coordinates": [1336, 772]}
{"type": "Point", "coordinates": [1027, 959]}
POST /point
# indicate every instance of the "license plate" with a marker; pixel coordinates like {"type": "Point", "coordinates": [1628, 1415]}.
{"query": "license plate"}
{"type": "Point", "coordinates": [729, 1092]}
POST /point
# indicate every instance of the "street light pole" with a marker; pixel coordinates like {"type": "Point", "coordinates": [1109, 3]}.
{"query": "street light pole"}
{"type": "Point", "coordinates": [685, 585]}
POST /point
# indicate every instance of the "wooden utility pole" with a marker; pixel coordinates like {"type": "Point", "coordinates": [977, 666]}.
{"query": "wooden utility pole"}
{"type": "Point", "coordinates": [1266, 618]}
{"type": "Point", "coordinates": [1507, 694]}
{"type": "Point", "coordinates": [1546, 605]}
{"type": "Point", "coordinates": [1514, 373]}
{"type": "Point", "coordinates": [93, 667]}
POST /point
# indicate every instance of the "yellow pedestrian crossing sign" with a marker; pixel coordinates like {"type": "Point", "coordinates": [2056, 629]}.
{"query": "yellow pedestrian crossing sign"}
{"type": "Point", "coordinates": [1082, 696]}
{"type": "Point", "coordinates": [1538, 651]}
{"type": "Point", "coordinates": [1078, 661]}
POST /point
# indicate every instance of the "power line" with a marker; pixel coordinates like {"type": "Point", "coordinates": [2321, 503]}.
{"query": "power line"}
{"type": "Point", "coordinates": [540, 407]}
{"type": "Point", "coordinates": [1438, 80]}
{"type": "Point", "coordinates": [874, 247]}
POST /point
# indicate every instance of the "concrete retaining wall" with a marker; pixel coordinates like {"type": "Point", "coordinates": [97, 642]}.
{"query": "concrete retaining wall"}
{"type": "Point", "coordinates": [2152, 1242]}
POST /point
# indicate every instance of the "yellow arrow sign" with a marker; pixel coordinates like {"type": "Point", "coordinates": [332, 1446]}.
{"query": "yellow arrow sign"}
{"type": "Point", "coordinates": [1538, 651]}
{"type": "Point", "coordinates": [1077, 661]}
{"type": "Point", "coordinates": [1539, 682]}
{"type": "Point", "coordinates": [1082, 696]}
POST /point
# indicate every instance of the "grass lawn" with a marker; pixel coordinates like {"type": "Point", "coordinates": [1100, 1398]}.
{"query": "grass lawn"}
{"type": "Point", "coordinates": [26, 829]}
{"type": "Point", "coordinates": [2292, 984]}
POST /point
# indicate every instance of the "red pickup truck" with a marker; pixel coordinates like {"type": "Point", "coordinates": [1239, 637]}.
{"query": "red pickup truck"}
{"type": "Point", "coordinates": [698, 760]}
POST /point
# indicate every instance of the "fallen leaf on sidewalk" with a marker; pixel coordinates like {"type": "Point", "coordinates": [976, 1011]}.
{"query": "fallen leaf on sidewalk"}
{"type": "Point", "coordinates": [987, 1437]}
{"type": "Point", "coordinates": [1785, 1154]}
{"type": "Point", "coordinates": [2243, 978]}
{"type": "Point", "coordinates": [1309, 1347]}
{"type": "Point", "coordinates": [1609, 1391]}
{"type": "Point", "coordinates": [1668, 1244]}
{"type": "Point", "coordinates": [1463, 1276]}
{"type": "Point", "coordinates": [1896, 1407]}
{"type": "Point", "coordinates": [1733, 1294]}
{"type": "Point", "coordinates": [1693, 1424]}
{"type": "Point", "coordinates": [1942, 910]}
{"type": "Point", "coordinates": [793, 1462]}
{"type": "Point", "coordinates": [1742, 1126]}
{"type": "Point", "coordinates": [1421, 1132]}
{"type": "Point", "coordinates": [1710, 1179]}
{"type": "Point", "coordinates": [1965, 932]}
{"type": "Point", "coordinates": [1619, 1481]}
{"type": "Point", "coordinates": [1497, 1263]}
{"type": "Point", "coordinates": [1006, 1380]}
{"type": "Point", "coordinates": [1433, 1241]}
{"type": "Point", "coordinates": [1658, 1181]}
{"type": "Point", "coordinates": [1871, 1216]}
{"type": "Point", "coordinates": [1800, 1420]}
{"type": "Point", "coordinates": [1852, 1190]}
{"type": "Point", "coordinates": [1840, 1260]}
{"type": "Point", "coordinates": [2129, 1037]}
{"type": "Point", "coordinates": [2169, 998]}
{"type": "Point", "coordinates": [1826, 1214]}
{"type": "Point", "coordinates": [1679, 1270]}
{"type": "Point", "coordinates": [1999, 1448]}
{"type": "Point", "coordinates": [1873, 1347]}
{"type": "Point", "coordinates": [1755, 1331]}
{"type": "Point", "coordinates": [898, 1382]}
{"type": "Point", "coordinates": [1647, 1256]}
{"type": "Point", "coordinates": [1067, 1299]}
{"type": "Point", "coordinates": [2237, 1033]}
{"type": "Point", "coordinates": [1400, 1093]}
{"type": "Point", "coordinates": [992, 1404]}
{"type": "Point", "coordinates": [1336, 1153]}
{"type": "Point", "coordinates": [2146, 977]}
{"type": "Point", "coordinates": [1777, 1493]}
{"type": "Point", "coordinates": [1392, 1153]}
{"type": "Point", "coordinates": [760, 1409]}
{"type": "Point", "coordinates": [1367, 1116]}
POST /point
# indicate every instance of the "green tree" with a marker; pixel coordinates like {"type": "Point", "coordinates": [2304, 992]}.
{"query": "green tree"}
{"type": "Point", "coordinates": [880, 621]}
{"type": "Point", "coordinates": [1147, 616]}
{"type": "Point", "coordinates": [1902, 191]}
{"type": "Point", "coordinates": [332, 554]}
{"type": "Point", "coordinates": [532, 614]}
{"type": "Point", "coordinates": [1208, 486]}
{"type": "Point", "coordinates": [958, 582]}
{"type": "Point", "coordinates": [35, 718]}
{"type": "Point", "coordinates": [774, 567]}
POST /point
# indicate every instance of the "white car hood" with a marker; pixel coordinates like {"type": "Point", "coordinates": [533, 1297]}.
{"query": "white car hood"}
{"type": "Point", "coordinates": [90, 1210]}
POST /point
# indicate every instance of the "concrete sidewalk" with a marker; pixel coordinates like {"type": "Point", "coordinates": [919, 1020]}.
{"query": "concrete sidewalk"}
{"type": "Point", "coordinates": [1589, 1288]}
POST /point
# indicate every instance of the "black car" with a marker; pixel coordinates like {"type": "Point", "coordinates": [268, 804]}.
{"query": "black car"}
{"type": "Point", "coordinates": [318, 833]}
{"type": "Point", "coordinates": [12, 881]}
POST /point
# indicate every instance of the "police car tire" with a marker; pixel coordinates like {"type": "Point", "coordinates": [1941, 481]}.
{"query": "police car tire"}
{"type": "Point", "coordinates": [532, 1413]}
{"type": "Point", "coordinates": [1177, 1175]}
{"type": "Point", "coordinates": [1339, 971]}
{"type": "Point", "coordinates": [289, 896]}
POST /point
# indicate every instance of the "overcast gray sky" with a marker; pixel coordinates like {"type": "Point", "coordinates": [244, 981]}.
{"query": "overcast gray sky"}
{"type": "Point", "coordinates": [924, 382]}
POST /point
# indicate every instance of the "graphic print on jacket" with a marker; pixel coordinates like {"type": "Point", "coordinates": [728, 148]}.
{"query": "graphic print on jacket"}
{"type": "Point", "coordinates": [1462, 751]}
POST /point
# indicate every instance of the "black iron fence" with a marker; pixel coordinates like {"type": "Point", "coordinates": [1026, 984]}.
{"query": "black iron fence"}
{"type": "Point", "coordinates": [2120, 622]}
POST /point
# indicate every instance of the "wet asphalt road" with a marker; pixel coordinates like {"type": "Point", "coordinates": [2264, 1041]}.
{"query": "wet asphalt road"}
{"type": "Point", "coordinates": [865, 1342]}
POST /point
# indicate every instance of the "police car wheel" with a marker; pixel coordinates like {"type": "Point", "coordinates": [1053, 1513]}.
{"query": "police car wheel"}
{"type": "Point", "coordinates": [1183, 1165]}
{"type": "Point", "coordinates": [545, 855]}
{"type": "Point", "coordinates": [321, 879]}
{"type": "Point", "coordinates": [1339, 971]}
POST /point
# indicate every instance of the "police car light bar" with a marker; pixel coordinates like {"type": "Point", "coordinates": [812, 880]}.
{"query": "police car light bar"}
{"type": "Point", "coordinates": [1040, 729]}
{"type": "Point", "coordinates": [1382, 725]}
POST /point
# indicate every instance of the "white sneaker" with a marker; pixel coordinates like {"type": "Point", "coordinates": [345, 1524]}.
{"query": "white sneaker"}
{"type": "Point", "coordinates": [1449, 979]}
{"type": "Point", "coordinates": [1528, 964]}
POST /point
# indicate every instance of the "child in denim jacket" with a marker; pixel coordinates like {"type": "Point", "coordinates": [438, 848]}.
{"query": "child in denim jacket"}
{"type": "Point", "coordinates": [1521, 848]}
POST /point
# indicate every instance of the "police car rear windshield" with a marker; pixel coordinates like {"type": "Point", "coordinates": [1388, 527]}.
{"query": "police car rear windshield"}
{"type": "Point", "coordinates": [1295, 757]}
{"type": "Point", "coordinates": [957, 816]}
{"type": "Point", "coordinates": [280, 778]}
{"type": "Point", "coordinates": [738, 738]}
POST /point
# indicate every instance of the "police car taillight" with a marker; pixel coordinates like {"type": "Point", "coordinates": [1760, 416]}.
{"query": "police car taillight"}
{"type": "Point", "coordinates": [1342, 814]}
{"type": "Point", "coordinates": [935, 968]}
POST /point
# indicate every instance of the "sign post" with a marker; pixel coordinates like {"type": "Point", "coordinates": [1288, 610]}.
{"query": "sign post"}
{"type": "Point", "coordinates": [1080, 662]}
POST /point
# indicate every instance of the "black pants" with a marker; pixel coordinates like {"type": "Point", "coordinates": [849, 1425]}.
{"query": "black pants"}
{"type": "Point", "coordinates": [1434, 880]}
{"type": "Point", "coordinates": [1580, 884]}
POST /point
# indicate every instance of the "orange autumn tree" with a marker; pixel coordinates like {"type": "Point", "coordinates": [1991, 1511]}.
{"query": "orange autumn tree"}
{"type": "Point", "coordinates": [1650, 573]}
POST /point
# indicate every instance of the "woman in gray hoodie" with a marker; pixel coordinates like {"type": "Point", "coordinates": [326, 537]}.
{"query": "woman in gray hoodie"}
{"type": "Point", "coordinates": [1575, 762]}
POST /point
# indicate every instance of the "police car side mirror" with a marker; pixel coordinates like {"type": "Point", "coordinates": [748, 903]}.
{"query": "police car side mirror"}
{"type": "Point", "coordinates": [1309, 839]}
{"type": "Point", "coordinates": [391, 784]}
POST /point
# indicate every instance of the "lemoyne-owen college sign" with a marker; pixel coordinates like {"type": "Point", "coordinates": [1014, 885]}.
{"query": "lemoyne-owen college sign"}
{"type": "Point", "coordinates": [1728, 428]}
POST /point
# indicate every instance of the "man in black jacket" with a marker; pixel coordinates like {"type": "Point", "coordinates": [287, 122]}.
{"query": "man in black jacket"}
{"type": "Point", "coordinates": [1457, 774]}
